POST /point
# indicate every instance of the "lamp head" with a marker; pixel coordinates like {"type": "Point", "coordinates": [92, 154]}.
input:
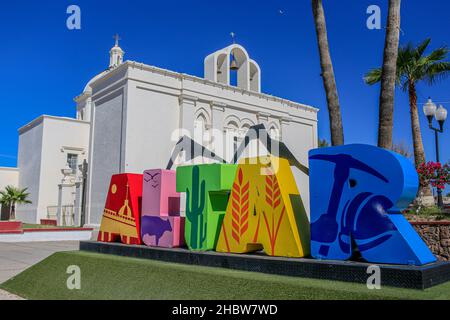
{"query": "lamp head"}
{"type": "Point", "coordinates": [441, 113]}
{"type": "Point", "coordinates": [441, 116]}
{"type": "Point", "coordinates": [429, 109]}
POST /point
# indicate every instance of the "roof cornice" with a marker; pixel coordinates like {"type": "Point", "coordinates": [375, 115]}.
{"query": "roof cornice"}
{"type": "Point", "coordinates": [41, 118]}
{"type": "Point", "coordinates": [183, 76]}
{"type": "Point", "coordinates": [9, 169]}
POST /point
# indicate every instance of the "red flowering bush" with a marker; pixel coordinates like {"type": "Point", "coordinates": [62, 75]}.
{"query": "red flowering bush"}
{"type": "Point", "coordinates": [434, 173]}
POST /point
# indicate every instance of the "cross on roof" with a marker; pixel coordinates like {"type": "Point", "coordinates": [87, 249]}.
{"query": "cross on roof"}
{"type": "Point", "coordinates": [117, 38]}
{"type": "Point", "coordinates": [233, 36]}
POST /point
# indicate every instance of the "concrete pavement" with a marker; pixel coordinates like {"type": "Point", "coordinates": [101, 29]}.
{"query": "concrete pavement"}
{"type": "Point", "coordinates": [5, 295]}
{"type": "Point", "coordinates": [16, 257]}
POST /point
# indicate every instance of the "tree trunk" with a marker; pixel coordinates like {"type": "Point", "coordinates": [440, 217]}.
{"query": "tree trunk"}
{"type": "Point", "coordinates": [329, 82]}
{"type": "Point", "coordinates": [388, 76]}
{"type": "Point", "coordinates": [419, 153]}
{"type": "Point", "coordinates": [5, 212]}
{"type": "Point", "coordinates": [13, 212]}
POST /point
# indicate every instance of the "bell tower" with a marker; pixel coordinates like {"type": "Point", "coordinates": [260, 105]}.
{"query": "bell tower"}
{"type": "Point", "coordinates": [233, 58]}
{"type": "Point", "coordinates": [116, 54]}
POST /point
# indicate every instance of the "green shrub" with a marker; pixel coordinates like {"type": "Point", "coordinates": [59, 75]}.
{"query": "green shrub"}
{"type": "Point", "coordinates": [428, 212]}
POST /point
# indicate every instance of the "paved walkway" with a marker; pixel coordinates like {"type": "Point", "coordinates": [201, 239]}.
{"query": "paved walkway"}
{"type": "Point", "coordinates": [5, 295]}
{"type": "Point", "coordinates": [16, 257]}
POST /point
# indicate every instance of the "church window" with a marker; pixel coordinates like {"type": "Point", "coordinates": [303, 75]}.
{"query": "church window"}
{"type": "Point", "coordinates": [274, 133]}
{"type": "Point", "coordinates": [202, 133]}
{"type": "Point", "coordinates": [235, 149]}
{"type": "Point", "coordinates": [231, 140]}
{"type": "Point", "coordinates": [72, 161]}
{"type": "Point", "coordinates": [200, 129]}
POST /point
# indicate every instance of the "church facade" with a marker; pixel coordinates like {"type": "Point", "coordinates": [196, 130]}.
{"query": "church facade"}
{"type": "Point", "coordinates": [130, 117]}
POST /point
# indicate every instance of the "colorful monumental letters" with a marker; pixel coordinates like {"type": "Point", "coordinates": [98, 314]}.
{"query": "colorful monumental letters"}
{"type": "Point", "coordinates": [161, 223]}
{"type": "Point", "coordinates": [121, 215]}
{"type": "Point", "coordinates": [207, 189]}
{"type": "Point", "coordinates": [357, 193]}
{"type": "Point", "coordinates": [265, 211]}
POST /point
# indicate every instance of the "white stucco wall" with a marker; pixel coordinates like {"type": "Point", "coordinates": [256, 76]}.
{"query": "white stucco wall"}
{"type": "Point", "coordinates": [152, 118]}
{"type": "Point", "coordinates": [106, 147]}
{"type": "Point", "coordinates": [43, 148]}
{"type": "Point", "coordinates": [301, 136]}
{"type": "Point", "coordinates": [29, 163]}
{"type": "Point", "coordinates": [9, 177]}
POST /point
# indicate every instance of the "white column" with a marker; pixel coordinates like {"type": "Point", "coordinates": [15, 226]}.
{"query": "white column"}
{"type": "Point", "coordinates": [284, 125]}
{"type": "Point", "coordinates": [244, 76]}
{"type": "Point", "coordinates": [65, 198]}
{"type": "Point", "coordinates": [258, 148]}
{"type": "Point", "coordinates": [59, 210]}
{"type": "Point", "coordinates": [217, 123]}
{"type": "Point", "coordinates": [218, 114]}
{"type": "Point", "coordinates": [187, 112]}
{"type": "Point", "coordinates": [263, 118]}
{"type": "Point", "coordinates": [78, 200]}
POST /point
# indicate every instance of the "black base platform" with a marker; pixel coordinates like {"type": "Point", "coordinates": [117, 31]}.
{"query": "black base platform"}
{"type": "Point", "coordinates": [350, 271]}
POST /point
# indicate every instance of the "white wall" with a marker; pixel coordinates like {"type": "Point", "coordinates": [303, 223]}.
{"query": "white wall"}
{"type": "Point", "coordinates": [106, 149]}
{"type": "Point", "coordinates": [108, 118]}
{"type": "Point", "coordinates": [43, 148]}
{"type": "Point", "coordinates": [301, 136]}
{"type": "Point", "coordinates": [9, 177]}
{"type": "Point", "coordinates": [44, 236]}
{"type": "Point", "coordinates": [152, 117]}
{"type": "Point", "coordinates": [29, 164]}
{"type": "Point", "coordinates": [61, 136]}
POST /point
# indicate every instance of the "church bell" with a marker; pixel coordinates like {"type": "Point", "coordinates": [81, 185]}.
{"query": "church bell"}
{"type": "Point", "coordinates": [233, 63]}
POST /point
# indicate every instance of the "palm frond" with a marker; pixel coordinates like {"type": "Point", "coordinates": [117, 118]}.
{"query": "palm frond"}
{"type": "Point", "coordinates": [438, 55]}
{"type": "Point", "coordinates": [373, 76]}
{"type": "Point", "coordinates": [436, 72]}
{"type": "Point", "coordinates": [422, 47]}
{"type": "Point", "coordinates": [413, 65]}
{"type": "Point", "coordinates": [404, 86]}
{"type": "Point", "coordinates": [13, 195]}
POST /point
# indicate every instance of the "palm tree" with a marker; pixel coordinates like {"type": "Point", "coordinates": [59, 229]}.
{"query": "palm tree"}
{"type": "Point", "coordinates": [323, 143]}
{"type": "Point", "coordinates": [329, 82]}
{"type": "Point", "coordinates": [386, 109]}
{"type": "Point", "coordinates": [13, 196]}
{"type": "Point", "coordinates": [402, 148]}
{"type": "Point", "coordinates": [414, 66]}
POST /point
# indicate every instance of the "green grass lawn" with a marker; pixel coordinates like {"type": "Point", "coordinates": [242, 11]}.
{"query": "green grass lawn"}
{"type": "Point", "coordinates": [113, 277]}
{"type": "Point", "coordinates": [42, 226]}
{"type": "Point", "coordinates": [36, 226]}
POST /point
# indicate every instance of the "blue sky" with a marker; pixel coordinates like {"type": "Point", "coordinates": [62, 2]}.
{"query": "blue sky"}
{"type": "Point", "coordinates": [45, 65]}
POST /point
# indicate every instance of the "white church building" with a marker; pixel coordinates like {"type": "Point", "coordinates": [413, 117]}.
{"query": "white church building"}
{"type": "Point", "coordinates": [130, 117]}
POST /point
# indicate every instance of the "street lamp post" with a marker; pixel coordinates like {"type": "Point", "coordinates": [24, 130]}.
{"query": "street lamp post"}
{"type": "Point", "coordinates": [430, 111]}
